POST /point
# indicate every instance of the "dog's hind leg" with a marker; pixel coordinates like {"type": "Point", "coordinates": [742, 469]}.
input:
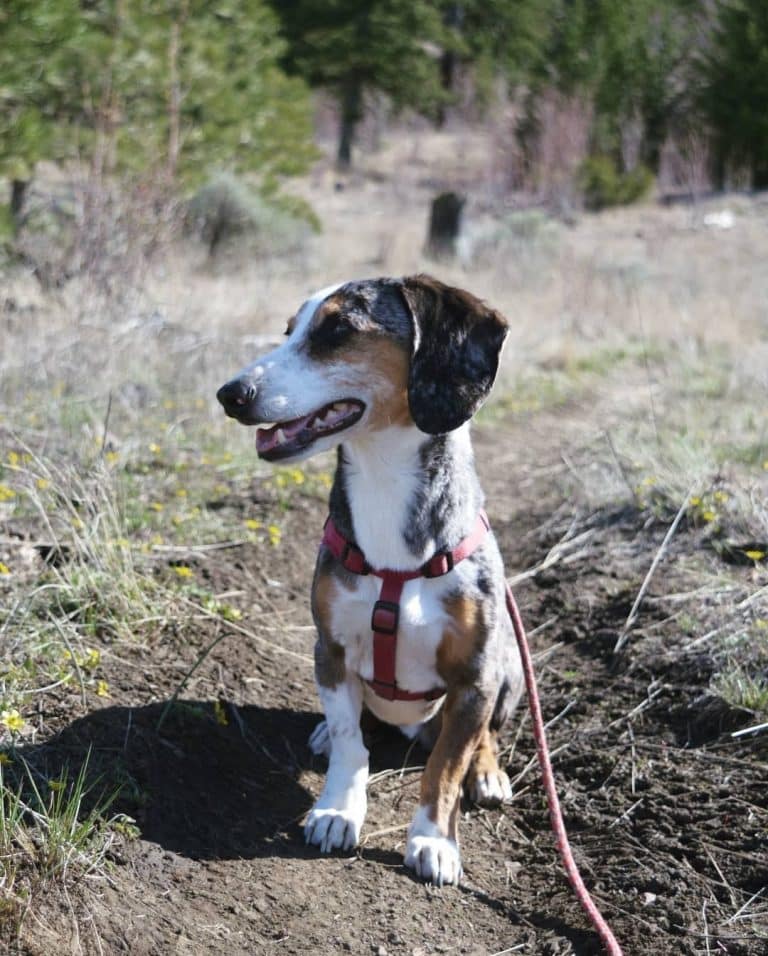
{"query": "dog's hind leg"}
{"type": "Point", "coordinates": [486, 783]}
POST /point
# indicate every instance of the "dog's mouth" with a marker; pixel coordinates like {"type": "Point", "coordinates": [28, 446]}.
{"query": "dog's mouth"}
{"type": "Point", "coordinates": [286, 439]}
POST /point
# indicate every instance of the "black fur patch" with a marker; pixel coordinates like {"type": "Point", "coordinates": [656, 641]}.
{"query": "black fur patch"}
{"type": "Point", "coordinates": [459, 341]}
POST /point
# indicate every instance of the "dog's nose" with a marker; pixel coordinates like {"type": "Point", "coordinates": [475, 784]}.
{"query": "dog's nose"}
{"type": "Point", "coordinates": [236, 395]}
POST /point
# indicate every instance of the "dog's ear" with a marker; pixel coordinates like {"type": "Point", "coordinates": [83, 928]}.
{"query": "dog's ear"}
{"type": "Point", "coordinates": [457, 341]}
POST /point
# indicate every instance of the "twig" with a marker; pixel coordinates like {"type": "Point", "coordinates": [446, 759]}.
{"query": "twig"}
{"type": "Point", "coordinates": [623, 637]}
{"type": "Point", "coordinates": [755, 729]}
{"type": "Point", "coordinates": [740, 910]}
{"type": "Point", "coordinates": [106, 425]}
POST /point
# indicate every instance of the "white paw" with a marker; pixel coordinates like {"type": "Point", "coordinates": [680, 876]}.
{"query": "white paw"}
{"type": "Point", "coordinates": [434, 858]}
{"type": "Point", "coordinates": [320, 740]}
{"type": "Point", "coordinates": [331, 829]}
{"type": "Point", "coordinates": [491, 789]}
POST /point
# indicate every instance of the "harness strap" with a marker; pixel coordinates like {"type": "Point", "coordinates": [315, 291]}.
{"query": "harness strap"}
{"type": "Point", "coordinates": [385, 617]}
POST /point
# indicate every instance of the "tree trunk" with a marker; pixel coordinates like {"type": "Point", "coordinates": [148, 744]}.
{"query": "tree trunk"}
{"type": "Point", "coordinates": [18, 195]}
{"type": "Point", "coordinates": [351, 102]}
{"type": "Point", "coordinates": [759, 173]}
{"type": "Point", "coordinates": [174, 93]}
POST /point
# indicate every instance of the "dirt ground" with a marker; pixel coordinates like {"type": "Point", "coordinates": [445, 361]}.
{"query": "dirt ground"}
{"type": "Point", "coordinates": [667, 813]}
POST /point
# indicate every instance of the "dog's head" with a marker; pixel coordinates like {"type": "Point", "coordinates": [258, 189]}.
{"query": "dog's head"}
{"type": "Point", "coordinates": [368, 355]}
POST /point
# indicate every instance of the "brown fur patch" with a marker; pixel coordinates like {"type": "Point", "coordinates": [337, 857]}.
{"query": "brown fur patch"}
{"type": "Point", "coordinates": [484, 760]}
{"type": "Point", "coordinates": [462, 639]}
{"type": "Point", "coordinates": [330, 666]}
{"type": "Point", "coordinates": [387, 360]}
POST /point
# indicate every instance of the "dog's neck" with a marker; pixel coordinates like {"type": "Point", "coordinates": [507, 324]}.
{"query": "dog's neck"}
{"type": "Point", "coordinates": [401, 495]}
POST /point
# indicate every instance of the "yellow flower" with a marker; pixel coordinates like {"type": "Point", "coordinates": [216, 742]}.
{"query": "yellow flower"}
{"type": "Point", "coordinates": [92, 659]}
{"type": "Point", "coordinates": [252, 524]}
{"type": "Point", "coordinates": [325, 479]}
{"type": "Point", "coordinates": [297, 476]}
{"type": "Point", "coordinates": [157, 506]}
{"type": "Point", "coordinates": [206, 460]}
{"type": "Point", "coordinates": [42, 483]}
{"type": "Point", "coordinates": [177, 520]}
{"type": "Point", "coordinates": [77, 524]}
{"type": "Point", "coordinates": [14, 458]}
{"type": "Point", "coordinates": [181, 492]}
{"type": "Point", "coordinates": [219, 713]}
{"type": "Point", "coordinates": [111, 457]}
{"type": "Point", "coordinates": [650, 480]}
{"type": "Point", "coordinates": [281, 480]}
{"type": "Point", "coordinates": [695, 500]}
{"type": "Point", "coordinates": [755, 555]}
{"type": "Point", "coordinates": [275, 534]}
{"type": "Point", "coordinates": [720, 496]}
{"type": "Point", "coordinates": [708, 515]}
{"type": "Point", "coordinates": [12, 719]}
{"type": "Point", "coordinates": [154, 448]}
{"type": "Point", "coordinates": [765, 465]}
{"type": "Point", "coordinates": [102, 689]}
{"type": "Point", "coordinates": [156, 539]}
{"type": "Point", "coordinates": [227, 456]}
{"type": "Point", "coordinates": [168, 404]}
{"type": "Point", "coordinates": [122, 543]}
{"type": "Point", "coordinates": [5, 760]}
{"type": "Point", "coordinates": [761, 623]}
{"type": "Point", "coordinates": [6, 493]}
{"type": "Point", "coordinates": [4, 569]}
{"type": "Point", "coordinates": [183, 571]}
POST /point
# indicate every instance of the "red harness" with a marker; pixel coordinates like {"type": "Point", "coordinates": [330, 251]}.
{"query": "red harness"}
{"type": "Point", "coordinates": [385, 618]}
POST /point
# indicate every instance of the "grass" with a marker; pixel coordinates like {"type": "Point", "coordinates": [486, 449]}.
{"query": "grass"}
{"type": "Point", "coordinates": [53, 836]}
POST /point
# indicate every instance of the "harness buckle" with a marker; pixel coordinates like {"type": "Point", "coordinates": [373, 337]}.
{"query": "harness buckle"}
{"type": "Point", "coordinates": [438, 565]}
{"type": "Point", "coordinates": [385, 617]}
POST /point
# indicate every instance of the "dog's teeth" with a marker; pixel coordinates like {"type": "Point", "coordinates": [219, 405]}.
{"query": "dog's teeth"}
{"type": "Point", "coordinates": [280, 436]}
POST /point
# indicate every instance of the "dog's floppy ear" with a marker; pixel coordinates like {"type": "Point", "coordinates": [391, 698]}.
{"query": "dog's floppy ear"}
{"type": "Point", "coordinates": [457, 340]}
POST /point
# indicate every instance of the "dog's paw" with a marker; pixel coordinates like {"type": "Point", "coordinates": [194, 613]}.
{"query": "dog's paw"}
{"type": "Point", "coordinates": [320, 740]}
{"type": "Point", "coordinates": [490, 789]}
{"type": "Point", "coordinates": [331, 829]}
{"type": "Point", "coordinates": [434, 858]}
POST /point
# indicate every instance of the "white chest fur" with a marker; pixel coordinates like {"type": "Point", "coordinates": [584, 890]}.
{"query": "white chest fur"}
{"type": "Point", "coordinates": [423, 620]}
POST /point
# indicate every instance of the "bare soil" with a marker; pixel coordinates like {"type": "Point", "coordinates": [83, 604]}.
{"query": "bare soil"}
{"type": "Point", "coordinates": [666, 812]}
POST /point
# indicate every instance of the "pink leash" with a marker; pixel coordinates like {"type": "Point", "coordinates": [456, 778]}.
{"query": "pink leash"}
{"type": "Point", "coordinates": [555, 815]}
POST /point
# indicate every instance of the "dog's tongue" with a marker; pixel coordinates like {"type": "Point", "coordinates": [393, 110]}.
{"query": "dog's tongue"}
{"type": "Point", "coordinates": [269, 438]}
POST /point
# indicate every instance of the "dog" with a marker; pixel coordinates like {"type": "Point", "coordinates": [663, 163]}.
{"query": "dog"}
{"type": "Point", "coordinates": [408, 594]}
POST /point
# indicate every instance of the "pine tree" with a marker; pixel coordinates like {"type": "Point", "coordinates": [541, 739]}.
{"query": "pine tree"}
{"type": "Point", "coordinates": [353, 48]}
{"type": "Point", "coordinates": [178, 86]}
{"type": "Point", "coordinates": [735, 90]}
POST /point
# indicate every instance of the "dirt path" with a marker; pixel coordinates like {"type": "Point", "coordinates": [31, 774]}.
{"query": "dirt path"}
{"type": "Point", "coordinates": [666, 813]}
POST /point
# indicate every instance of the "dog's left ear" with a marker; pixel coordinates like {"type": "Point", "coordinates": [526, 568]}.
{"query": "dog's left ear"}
{"type": "Point", "coordinates": [457, 341]}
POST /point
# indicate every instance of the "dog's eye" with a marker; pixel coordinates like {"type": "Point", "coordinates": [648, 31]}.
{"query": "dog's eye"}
{"type": "Point", "coordinates": [334, 330]}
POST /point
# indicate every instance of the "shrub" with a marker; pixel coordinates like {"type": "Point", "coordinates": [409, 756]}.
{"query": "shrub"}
{"type": "Point", "coordinates": [603, 185]}
{"type": "Point", "coordinates": [226, 209]}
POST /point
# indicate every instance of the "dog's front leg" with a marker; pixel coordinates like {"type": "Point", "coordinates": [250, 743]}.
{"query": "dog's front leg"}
{"type": "Point", "coordinates": [336, 819]}
{"type": "Point", "coordinates": [433, 842]}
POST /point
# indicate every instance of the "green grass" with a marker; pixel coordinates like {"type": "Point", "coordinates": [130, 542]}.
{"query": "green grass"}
{"type": "Point", "coordinates": [53, 835]}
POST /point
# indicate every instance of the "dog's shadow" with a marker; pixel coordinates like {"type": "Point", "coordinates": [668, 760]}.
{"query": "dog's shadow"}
{"type": "Point", "coordinates": [202, 780]}
{"type": "Point", "coordinates": [209, 783]}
